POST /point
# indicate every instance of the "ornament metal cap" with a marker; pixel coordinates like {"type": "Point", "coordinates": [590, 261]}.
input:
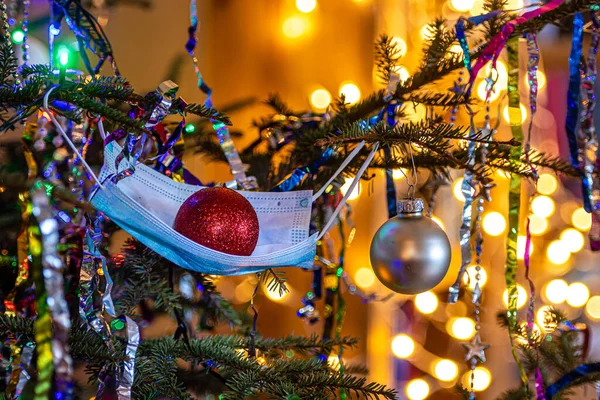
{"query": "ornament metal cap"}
{"type": "Point", "coordinates": [410, 206]}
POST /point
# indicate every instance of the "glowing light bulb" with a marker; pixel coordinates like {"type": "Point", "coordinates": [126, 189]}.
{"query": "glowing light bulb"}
{"type": "Point", "coordinates": [547, 184]}
{"type": "Point", "coordinates": [537, 225]}
{"type": "Point", "coordinates": [581, 219]}
{"type": "Point", "coordinates": [438, 221]}
{"type": "Point", "coordinates": [398, 174]}
{"type": "Point", "coordinates": [364, 277]}
{"type": "Point", "coordinates": [521, 242]}
{"type": "Point", "coordinates": [400, 45]}
{"type": "Point", "coordinates": [274, 294]}
{"type": "Point", "coordinates": [18, 36]}
{"type": "Point", "coordinates": [294, 27]}
{"type": "Point", "coordinates": [351, 92]}
{"type": "Point", "coordinates": [306, 6]}
{"type": "Point", "coordinates": [477, 8]}
{"type": "Point", "coordinates": [426, 302]}
{"type": "Point", "coordinates": [578, 294]}
{"type": "Point", "coordinates": [494, 223]}
{"type": "Point", "coordinates": [457, 190]}
{"type": "Point", "coordinates": [463, 328]}
{"type": "Point", "coordinates": [403, 346]}
{"type": "Point", "coordinates": [521, 296]}
{"type": "Point", "coordinates": [515, 113]}
{"type": "Point", "coordinates": [333, 361]}
{"type": "Point", "coordinates": [470, 277]}
{"type": "Point", "coordinates": [482, 92]}
{"type": "Point", "coordinates": [572, 239]}
{"type": "Point", "coordinates": [461, 5]}
{"type": "Point", "coordinates": [417, 389]}
{"type": "Point", "coordinates": [320, 99]}
{"type": "Point", "coordinates": [346, 186]}
{"type": "Point", "coordinates": [445, 370]}
{"type": "Point", "coordinates": [543, 206]}
{"type": "Point", "coordinates": [557, 291]}
{"type": "Point", "coordinates": [63, 56]}
{"type": "Point", "coordinates": [592, 308]}
{"type": "Point", "coordinates": [541, 79]}
{"type": "Point", "coordinates": [481, 379]}
{"type": "Point", "coordinates": [557, 252]}
{"type": "Point", "coordinates": [402, 72]}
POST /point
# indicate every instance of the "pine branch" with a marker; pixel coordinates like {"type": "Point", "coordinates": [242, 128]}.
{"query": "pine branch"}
{"type": "Point", "coordinates": [386, 58]}
{"type": "Point", "coordinates": [273, 280]}
{"type": "Point", "coordinates": [202, 111]}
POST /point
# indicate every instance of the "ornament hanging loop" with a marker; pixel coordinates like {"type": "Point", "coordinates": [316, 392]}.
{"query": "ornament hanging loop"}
{"type": "Point", "coordinates": [411, 192]}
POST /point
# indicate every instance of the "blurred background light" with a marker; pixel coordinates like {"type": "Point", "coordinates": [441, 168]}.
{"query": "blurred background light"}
{"type": "Point", "coordinates": [403, 346]}
{"type": "Point", "coordinates": [445, 370]}
{"type": "Point", "coordinates": [557, 252]}
{"type": "Point", "coordinates": [542, 206]}
{"type": "Point", "coordinates": [581, 219]}
{"type": "Point", "coordinates": [426, 302]}
{"type": "Point", "coordinates": [470, 277]}
{"type": "Point", "coordinates": [494, 223]}
{"type": "Point", "coordinates": [557, 291]}
{"type": "Point", "coordinates": [320, 99]}
{"type": "Point", "coordinates": [350, 91]}
{"type": "Point", "coordinates": [578, 294]}
{"type": "Point", "coordinates": [306, 6]}
{"type": "Point", "coordinates": [547, 184]}
{"type": "Point", "coordinates": [417, 389]}
{"type": "Point", "coordinates": [462, 328]}
{"type": "Point", "coordinates": [572, 239]}
{"type": "Point", "coordinates": [364, 278]}
{"type": "Point", "coordinates": [521, 296]}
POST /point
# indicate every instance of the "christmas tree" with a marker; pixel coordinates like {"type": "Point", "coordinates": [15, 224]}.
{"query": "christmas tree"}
{"type": "Point", "coordinates": [98, 158]}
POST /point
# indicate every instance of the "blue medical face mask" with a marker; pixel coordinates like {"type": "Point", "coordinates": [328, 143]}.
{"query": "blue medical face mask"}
{"type": "Point", "coordinates": [145, 205]}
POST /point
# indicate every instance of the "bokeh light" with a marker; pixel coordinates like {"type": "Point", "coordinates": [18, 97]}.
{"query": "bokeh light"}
{"type": "Point", "coordinates": [512, 111]}
{"type": "Point", "coordinates": [399, 173]}
{"type": "Point", "coordinates": [547, 184]}
{"type": "Point", "coordinates": [542, 206]}
{"type": "Point", "coordinates": [581, 219]}
{"type": "Point", "coordinates": [592, 308]}
{"type": "Point", "coordinates": [556, 291]}
{"type": "Point", "coordinates": [426, 302]}
{"type": "Point", "coordinates": [400, 45]}
{"type": "Point", "coordinates": [572, 239]}
{"type": "Point", "coordinates": [482, 92]}
{"type": "Point", "coordinates": [537, 225]}
{"type": "Point", "coordinates": [494, 223]}
{"type": "Point", "coordinates": [333, 361]}
{"type": "Point", "coordinates": [481, 380]}
{"type": "Point", "coordinates": [578, 294]}
{"type": "Point", "coordinates": [346, 186]}
{"type": "Point", "coordinates": [541, 78]}
{"type": "Point", "coordinates": [274, 293]}
{"type": "Point", "coordinates": [320, 98]}
{"type": "Point", "coordinates": [294, 27]}
{"type": "Point", "coordinates": [521, 296]}
{"type": "Point", "coordinates": [403, 346]}
{"type": "Point", "coordinates": [402, 73]}
{"type": "Point", "coordinates": [350, 91]}
{"type": "Point", "coordinates": [540, 318]}
{"type": "Point", "coordinates": [557, 252]}
{"type": "Point", "coordinates": [425, 32]}
{"type": "Point", "coordinates": [457, 189]}
{"type": "Point", "coordinates": [18, 36]}
{"type": "Point", "coordinates": [364, 277]}
{"type": "Point", "coordinates": [439, 222]}
{"type": "Point", "coordinates": [445, 370]}
{"type": "Point", "coordinates": [470, 277]}
{"type": "Point", "coordinates": [306, 6]}
{"type": "Point", "coordinates": [63, 56]}
{"type": "Point", "coordinates": [462, 5]}
{"type": "Point", "coordinates": [500, 74]}
{"type": "Point", "coordinates": [462, 328]}
{"type": "Point", "coordinates": [521, 242]}
{"type": "Point", "coordinates": [417, 389]}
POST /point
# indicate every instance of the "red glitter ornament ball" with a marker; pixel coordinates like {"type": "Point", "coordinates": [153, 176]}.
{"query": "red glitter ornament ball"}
{"type": "Point", "coordinates": [220, 219]}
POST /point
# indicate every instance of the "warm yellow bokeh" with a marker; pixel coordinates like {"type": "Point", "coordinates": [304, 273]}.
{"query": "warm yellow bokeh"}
{"type": "Point", "coordinates": [521, 296]}
{"type": "Point", "coordinates": [581, 219]}
{"type": "Point", "coordinates": [426, 302]}
{"type": "Point", "coordinates": [578, 294]}
{"type": "Point", "coordinates": [556, 291]}
{"type": "Point", "coordinates": [320, 99]}
{"type": "Point", "coordinates": [417, 389]}
{"type": "Point", "coordinates": [364, 278]}
{"type": "Point", "coordinates": [403, 346]}
{"type": "Point", "coordinates": [462, 328]}
{"type": "Point", "coordinates": [445, 370]}
{"type": "Point", "coordinates": [494, 223]}
{"type": "Point", "coordinates": [547, 184]}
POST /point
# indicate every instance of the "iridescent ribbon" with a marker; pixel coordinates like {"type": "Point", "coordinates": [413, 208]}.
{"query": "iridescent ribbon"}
{"type": "Point", "coordinates": [466, 218]}
{"type": "Point", "coordinates": [44, 247]}
{"type": "Point", "coordinates": [573, 95]}
{"type": "Point", "coordinates": [26, 358]}
{"type": "Point", "coordinates": [300, 173]}
{"type": "Point", "coordinates": [233, 158]}
{"type": "Point", "coordinates": [514, 197]}
{"type": "Point", "coordinates": [533, 53]}
{"type": "Point", "coordinates": [588, 141]}
{"type": "Point", "coordinates": [125, 373]}
{"type": "Point", "coordinates": [540, 386]}
{"type": "Point", "coordinates": [567, 379]}
{"type": "Point", "coordinates": [492, 51]}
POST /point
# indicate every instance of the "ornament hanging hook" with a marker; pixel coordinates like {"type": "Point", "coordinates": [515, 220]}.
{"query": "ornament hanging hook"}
{"type": "Point", "coordinates": [411, 185]}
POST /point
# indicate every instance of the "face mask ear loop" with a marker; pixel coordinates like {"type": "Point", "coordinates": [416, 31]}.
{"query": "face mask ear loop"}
{"type": "Point", "coordinates": [360, 173]}
{"type": "Point", "coordinates": [101, 129]}
{"type": "Point", "coordinates": [347, 161]}
{"type": "Point", "coordinates": [66, 137]}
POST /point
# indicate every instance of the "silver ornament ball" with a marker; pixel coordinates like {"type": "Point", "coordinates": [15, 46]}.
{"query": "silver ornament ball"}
{"type": "Point", "coordinates": [410, 253]}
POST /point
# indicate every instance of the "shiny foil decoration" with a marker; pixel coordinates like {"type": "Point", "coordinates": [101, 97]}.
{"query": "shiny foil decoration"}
{"type": "Point", "coordinates": [410, 253]}
{"type": "Point", "coordinates": [43, 247]}
{"type": "Point", "coordinates": [125, 373]}
{"type": "Point", "coordinates": [220, 219]}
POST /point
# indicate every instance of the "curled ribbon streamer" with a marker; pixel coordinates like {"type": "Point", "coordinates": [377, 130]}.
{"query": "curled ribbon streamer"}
{"type": "Point", "coordinates": [540, 386]}
{"type": "Point", "coordinates": [26, 357]}
{"type": "Point", "coordinates": [570, 377]}
{"type": "Point", "coordinates": [233, 158]}
{"type": "Point", "coordinates": [492, 51]}
{"type": "Point", "coordinates": [514, 197]}
{"type": "Point", "coordinates": [43, 245]}
{"type": "Point", "coordinates": [466, 218]}
{"type": "Point", "coordinates": [588, 141]}
{"type": "Point", "coordinates": [126, 372]}
{"type": "Point", "coordinates": [532, 68]}
{"type": "Point", "coordinates": [573, 95]}
{"type": "Point", "coordinates": [298, 175]}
